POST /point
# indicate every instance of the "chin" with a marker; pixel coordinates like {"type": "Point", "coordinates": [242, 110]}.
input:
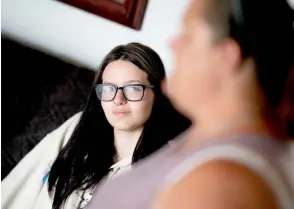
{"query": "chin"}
{"type": "Point", "coordinates": [123, 125]}
{"type": "Point", "coordinates": [125, 128]}
{"type": "Point", "coordinates": [183, 108]}
{"type": "Point", "coordinates": [177, 103]}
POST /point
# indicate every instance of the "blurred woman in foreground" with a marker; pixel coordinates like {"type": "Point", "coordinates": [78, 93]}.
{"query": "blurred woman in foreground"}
{"type": "Point", "coordinates": [232, 61]}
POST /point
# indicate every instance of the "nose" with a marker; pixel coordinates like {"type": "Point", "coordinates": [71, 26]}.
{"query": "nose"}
{"type": "Point", "coordinates": [174, 43]}
{"type": "Point", "coordinates": [119, 98]}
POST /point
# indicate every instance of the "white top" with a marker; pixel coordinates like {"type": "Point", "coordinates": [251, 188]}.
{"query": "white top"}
{"type": "Point", "coordinates": [24, 188]}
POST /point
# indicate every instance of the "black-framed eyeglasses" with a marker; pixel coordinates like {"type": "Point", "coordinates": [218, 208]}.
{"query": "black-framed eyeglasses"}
{"type": "Point", "coordinates": [131, 92]}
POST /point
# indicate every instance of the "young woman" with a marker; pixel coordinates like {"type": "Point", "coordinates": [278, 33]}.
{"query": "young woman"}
{"type": "Point", "coordinates": [126, 119]}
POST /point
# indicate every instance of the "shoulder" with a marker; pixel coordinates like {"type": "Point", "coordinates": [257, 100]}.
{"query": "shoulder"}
{"type": "Point", "coordinates": [72, 121]}
{"type": "Point", "coordinates": [219, 184]}
{"type": "Point", "coordinates": [65, 130]}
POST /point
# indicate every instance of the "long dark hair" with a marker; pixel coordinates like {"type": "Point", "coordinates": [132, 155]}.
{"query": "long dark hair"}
{"type": "Point", "coordinates": [90, 152]}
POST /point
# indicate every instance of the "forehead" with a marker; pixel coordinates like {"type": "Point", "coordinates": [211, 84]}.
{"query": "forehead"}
{"type": "Point", "coordinates": [196, 10]}
{"type": "Point", "coordinates": [121, 71]}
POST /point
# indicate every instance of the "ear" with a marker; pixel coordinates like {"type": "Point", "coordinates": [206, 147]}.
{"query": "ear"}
{"type": "Point", "coordinates": [230, 55]}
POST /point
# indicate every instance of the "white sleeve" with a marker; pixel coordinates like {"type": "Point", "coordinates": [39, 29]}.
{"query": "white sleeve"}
{"type": "Point", "coordinates": [20, 189]}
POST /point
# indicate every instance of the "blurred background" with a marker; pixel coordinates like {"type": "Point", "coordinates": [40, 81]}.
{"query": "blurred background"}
{"type": "Point", "coordinates": [50, 52]}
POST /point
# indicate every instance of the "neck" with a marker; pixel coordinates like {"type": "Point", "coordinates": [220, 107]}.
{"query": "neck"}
{"type": "Point", "coordinates": [242, 109]}
{"type": "Point", "coordinates": [238, 119]}
{"type": "Point", "coordinates": [126, 141]}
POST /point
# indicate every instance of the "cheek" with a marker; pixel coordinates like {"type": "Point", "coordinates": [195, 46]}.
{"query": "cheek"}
{"type": "Point", "coordinates": [183, 58]}
{"type": "Point", "coordinates": [193, 80]}
{"type": "Point", "coordinates": [178, 83]}
{"type": "Point", "coordinates": [178, 88]}
{"type": "Point", "coordinates": [106, 106]}
{"type": "Point", "coordinates": [141, 110]}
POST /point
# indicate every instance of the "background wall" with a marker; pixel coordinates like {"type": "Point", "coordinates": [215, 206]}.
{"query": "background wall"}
{"type": "Point", "coordinates": [35, 99]}
{"type": "Point", "coordinates": [83, 38]}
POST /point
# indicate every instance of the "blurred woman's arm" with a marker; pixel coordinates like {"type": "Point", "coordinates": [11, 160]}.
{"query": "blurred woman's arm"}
{"type": "Point", "coordinates": [218, 185]}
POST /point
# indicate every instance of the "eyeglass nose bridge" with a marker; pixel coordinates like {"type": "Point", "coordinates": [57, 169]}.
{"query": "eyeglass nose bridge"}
{"type": "Point", "coordinates": [122, 89]}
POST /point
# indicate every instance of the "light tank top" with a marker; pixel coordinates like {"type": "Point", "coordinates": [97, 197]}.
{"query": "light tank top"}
{"type": "Point", "coordinates": [271, 159]}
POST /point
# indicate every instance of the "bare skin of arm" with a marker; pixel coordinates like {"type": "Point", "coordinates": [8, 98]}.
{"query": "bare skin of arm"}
{"type": "Point", "coordinates": [218, 185]}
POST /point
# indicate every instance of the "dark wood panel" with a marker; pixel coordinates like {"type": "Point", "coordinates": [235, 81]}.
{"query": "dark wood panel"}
{"type": "Point", "coordinates": [128, 12]}
{"type": "Point", "coordinates": [39, 93]}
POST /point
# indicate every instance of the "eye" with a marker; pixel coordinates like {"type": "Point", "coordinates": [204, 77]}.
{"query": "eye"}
{"type": "Point", "coordinates": [134, 88]}
{"type": "Point", "coordinates": [106, 88]}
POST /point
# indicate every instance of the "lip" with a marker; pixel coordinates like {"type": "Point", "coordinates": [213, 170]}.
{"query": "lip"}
{"type": "Point", "coordinates": [120, 112]}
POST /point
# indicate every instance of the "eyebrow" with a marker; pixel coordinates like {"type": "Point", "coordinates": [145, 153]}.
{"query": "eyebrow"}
{"type": "Point", "coordinates": [133, 81]}
{"type": "Point", "coordinates": [127, 82]}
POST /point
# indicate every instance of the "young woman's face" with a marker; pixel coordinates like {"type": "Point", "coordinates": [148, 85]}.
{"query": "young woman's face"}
{"type": "Point", "coordinates": [121, 113]}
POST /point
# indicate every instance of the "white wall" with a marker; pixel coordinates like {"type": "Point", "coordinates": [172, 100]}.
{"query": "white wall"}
{"type": "Point", "coordinates": [76, 35]}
